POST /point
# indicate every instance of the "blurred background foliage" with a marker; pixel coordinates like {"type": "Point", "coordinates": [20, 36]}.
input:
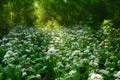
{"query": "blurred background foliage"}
{"type": "Point", "coordinates": [62, 12]}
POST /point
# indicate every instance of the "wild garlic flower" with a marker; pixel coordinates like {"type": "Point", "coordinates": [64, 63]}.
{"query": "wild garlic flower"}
{"type": "Point", "coordinates": [52, 50]}
{"type": "Point", "coordinates": [6, 55]}
{"type": "Point", "coordinates": [94, 76]}
{"type": "Point", "coordinates": [27, 50]}
{"type": "Point", "coordinates": [24, 74]}
{"type": "Point", "coordinates": [105, 72]}
{"type": "Point", "coordinates": [9, 53]}
{"type": "Point", "coordinates": [4, 39]}
{"type": "Point", "coordinates": [65, 1]}
{"type": "Point", "coordinates": [117, 75]}
{"type": "Point", "coordinates": [72, 72]}
{"type": "Point", "coordinates": [8, 44]}
{"type": "Point", "coordinates": [38, 75]}
{"type": "Point", "coordinates": [59, 64]}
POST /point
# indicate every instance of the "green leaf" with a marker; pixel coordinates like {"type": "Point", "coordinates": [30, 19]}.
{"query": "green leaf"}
{"type": "Point", "coordinates": [31, 77]}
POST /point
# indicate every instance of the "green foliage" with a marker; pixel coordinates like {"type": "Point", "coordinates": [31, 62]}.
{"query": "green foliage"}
{"type": "Point", "coordinates": [64, 12]}
{"type": "Point", "coordinates": [92, 12]}
{"type": "Point", "coordinates": [18, 12]}
{"type": "Point", "coordinates": [77, 53]}
{"type": "Point", "coordinates": [22, 54]}
{"type": "Point", "coordinates": [69, 12]}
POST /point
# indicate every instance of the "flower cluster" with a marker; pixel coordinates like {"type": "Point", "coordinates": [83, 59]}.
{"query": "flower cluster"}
{"type": "Point", "coordinates": [94, 76]}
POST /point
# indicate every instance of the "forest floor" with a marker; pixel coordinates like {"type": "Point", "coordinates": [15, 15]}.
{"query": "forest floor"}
{"type": "Point", "coordinates": [76, 53]}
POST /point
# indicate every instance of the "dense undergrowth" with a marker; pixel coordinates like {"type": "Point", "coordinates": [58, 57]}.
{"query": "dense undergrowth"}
{"type": "Point", "coordinates": [77, 53]}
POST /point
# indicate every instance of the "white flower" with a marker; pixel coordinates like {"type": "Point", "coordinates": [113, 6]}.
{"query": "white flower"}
{"type": "Point", "coordinates": [27, 50]}
{"type": "Point", "coordinates": [72, 72]}
{"type": "Point", "coordinates": [96, 61]}
{"type": "Point", "coordinates": [23, 70]}
{"type": "Point", "coordinates": [38, 75]}
{"type": "Point", "coordinates": [18, 66]}
{"type": "Point", "coordinates": [105, 32]}
{"type": "Point", "coordinates": [91, 57]}
{"type": "Point", "coordinates": [9, 53]}
{"type": "Point", "coordinates": [76, 52]}
{"type": "Point", "coordinates": [52, 50]}
{"type": "Point", "coordinates": [58, 39]}
{"type": "Point", "coordinates": [8, 44]}
{"type": "Point", "coordinates": [67, 66]}
{"type": "Point", "coordinates": [104, 71]}
{"type": "Point", "coordinates": [88, 47]}
{"type": "Point", "coordinates": [24, 74]}
{"type": "Point", "coordinates": [118, 62]}
{"type": "Point", "coordinates": [117, 74]}
{"type": "Point", "coordinates": [28, 59]}
{"type": "Point", "coordinates": [6, 55]}
{"type": "Point", "coordinates": [86, 51]}
{"type": "Point", "coordinates": [95, 76]}
{"type": "Point", "coordinates": [28, 36]}
{"type": "Point", "coordinates": [65, 1]}
{"type": "Point", "coordinates": [14, 54]}
{"type": "Point", "coordinates": [12, 59]}
{"type": "Point", "coordinates": [24, 56]}
{"type": "Point", "coordinates": [80, 31]}
{"type": "Point", "coordinates": [59, 64]}
{"type": "Point", "coordinates": [47, 57]}
{"type": "Point", "coordinates": [10, 65]}
{"type": "Point", "coordinates": [4, 39]}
